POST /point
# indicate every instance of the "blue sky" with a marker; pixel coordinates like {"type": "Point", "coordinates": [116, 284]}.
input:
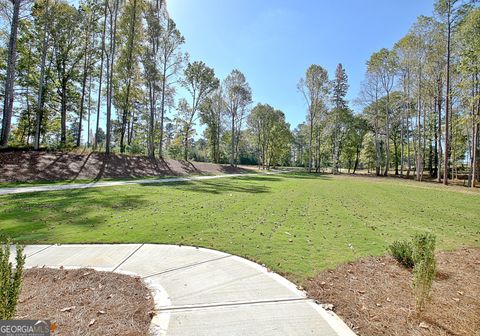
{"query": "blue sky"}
{"type": "Point", "coordinates": [274, 41]}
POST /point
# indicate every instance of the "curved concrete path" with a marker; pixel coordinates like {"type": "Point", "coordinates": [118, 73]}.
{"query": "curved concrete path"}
{"type": "Point", "coordinates": [202, 292]}
{"type": "Point", "coordinates": [70, 186]}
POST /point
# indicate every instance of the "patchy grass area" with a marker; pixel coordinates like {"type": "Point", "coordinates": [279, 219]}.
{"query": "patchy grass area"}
{"type": "Point", "coordinates": [296, 224]}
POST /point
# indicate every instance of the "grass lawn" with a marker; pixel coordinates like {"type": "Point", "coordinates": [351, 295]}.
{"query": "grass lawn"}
{"type": "Point", "coordinates": [295, 224]}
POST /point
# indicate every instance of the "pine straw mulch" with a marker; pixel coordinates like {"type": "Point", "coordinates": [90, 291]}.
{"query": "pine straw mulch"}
{"type": "Point", "coordinates": [25, 166]}
{"type": "Point", "coordinates": [374, 297]}
{"type": "Point", "coordinates": [86, 302]}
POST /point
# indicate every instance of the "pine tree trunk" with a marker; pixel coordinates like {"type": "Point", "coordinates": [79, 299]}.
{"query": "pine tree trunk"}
{"type": "Point", "coordinates": [474, 156]}
{"type": "Point", "coordinates": [102, 57]}
{"type": "Point", "coordinates": [40, 98]}
{"type": "Point", "coordinates": [89, 109]}
{"type": "Point", "coordinates": [387, 150]}
{"type": "Point", "coordinates": [377, 151]}
{"type": "Point", "coordinates": [356, 160]}
{"type": "Point", "coordinates": [418, 166]}
{"type": "Point", "coordinates": [132, 128]}
{"type": "Point", "coordinates": [436, 171]}
{"type": "Point", "coordinates": [409, 164]}
{"type": "Point", "coordinates": [162, 108]}
{"type": "Point", "coordinates": [10, 80]}
{"type": "Point", "coordinates": [402, 146]}
{"type": "Point", "coordinates": [310, 147]}
{"type": "Point", "coordinates": [419, 156]}
{"type": "Point", "coordinates": [395, 148]}
{"type": "Point", "coordinates": [84, 84]}
{"type": "Point", "coordinates": [151, 123]}
{"type": "Point", "coordinates": [447, 101]}
{"type": "Point", "coordinates": [113, 37]}
{"type": "Point", "coordinates": [439, 133]}
{"type": "Point", "coordinates": [476, 136]}
{"type": "Point", "coordinates": [232, 158]}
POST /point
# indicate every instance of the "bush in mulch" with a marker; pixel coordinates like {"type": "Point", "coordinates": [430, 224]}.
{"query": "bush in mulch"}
{"type": "Point", "coordinates": [10, 280]}
{"type": "Point", "coordinates": [86, 302]}
{"type": "Point", "coordinates": [418, 253]}
{"type": "Point", "coordinates": [374, 296]}
{"type": "Point", "coordinates": [425, 267]}
{"type": "Point", "coordinates": [402, 251]}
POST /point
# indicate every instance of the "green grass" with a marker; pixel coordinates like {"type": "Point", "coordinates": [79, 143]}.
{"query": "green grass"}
{"type": "Point", "coordinates": [295, 224]}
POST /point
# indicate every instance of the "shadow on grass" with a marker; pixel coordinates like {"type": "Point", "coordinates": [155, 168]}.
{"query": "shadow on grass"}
{"type": "Point", "coordinates": [35, 214]}
{"type": "Point", "coordinates": [259, 178]}
{"type": "Point", "coordinates": [253, 184]}
{"type": "Point", "coordinates": [215, 187]}
{"type": "Point", "coordinates": [307, 176]}
{"type": "Point", "coordinates": [227, 169]}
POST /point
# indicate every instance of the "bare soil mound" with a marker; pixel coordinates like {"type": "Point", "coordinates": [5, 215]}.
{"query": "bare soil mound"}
{"type": "Point", "coordinates": [24, 166]}
{"type": "Point", "coordinates": [86, 302]}
{"type": "Point", "coordinates": [374, 296]}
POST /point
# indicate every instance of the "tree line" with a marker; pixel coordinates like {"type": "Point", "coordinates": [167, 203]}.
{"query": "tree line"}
{"type": "Point", "coordinates": [67, 68]}
{"type": "Point", "coordinates": [112, 70]}
{"type": "Point", "coordinates": [420, 104]}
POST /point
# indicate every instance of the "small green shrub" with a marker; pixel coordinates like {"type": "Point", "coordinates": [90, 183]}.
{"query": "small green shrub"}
{"type": "Point", "coordinates": [425, 267]}
{"type": "Point", "coordinates": [402, 252]}
{"type": "Point", "coordinates": [10, 280]}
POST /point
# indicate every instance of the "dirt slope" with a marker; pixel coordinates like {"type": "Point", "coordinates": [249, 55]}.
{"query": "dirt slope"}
{"type": "Point", "coordinates": [37, 166]}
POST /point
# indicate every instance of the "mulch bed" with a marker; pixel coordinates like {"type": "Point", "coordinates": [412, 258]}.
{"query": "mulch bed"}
{"type": "Point", "coordinates": [374, 296]}
{"type": "Point", "coordinates": [86, 302]}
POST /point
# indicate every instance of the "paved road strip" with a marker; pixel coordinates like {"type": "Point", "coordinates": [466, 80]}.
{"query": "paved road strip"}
{"type": "Point", "coordinates": [24, 190]}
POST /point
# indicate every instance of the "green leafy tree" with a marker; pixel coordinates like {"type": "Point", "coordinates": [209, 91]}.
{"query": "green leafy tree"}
{"type": "Point", "coordinates": [353, 141]}
{"type": "Point", "coordinates": [212, 112]}
{"type": "Point", "coordinates": [199, 81]}
{"type": "Point", "coordinates": [315, 88]}
{"type": "Point", "coordinates": [171, 61]}
{"type": "Point", "coordinates": [469, 35]}
{"type": "Point", "coordinates": [65, 34]}
{"type": "Point", "coordinates": [451, 13]}
{"type": "Point", "coordinates": [127, 76]}
{"type": "Point", "coordinates": [383, 64]}
{"type": "Point", "coordinates": [237, 96]}
{"type": "Point", "coordinates": [339, 114]}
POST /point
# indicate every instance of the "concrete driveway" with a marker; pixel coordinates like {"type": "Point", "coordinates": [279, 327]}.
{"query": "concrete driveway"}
{"type": "Point", "coordinates": [202, 292]}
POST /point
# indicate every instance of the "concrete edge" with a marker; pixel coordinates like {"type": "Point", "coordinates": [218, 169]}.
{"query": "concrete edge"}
{"type": "Point", "coordinates": [191, 247]}
{"type": "Point", "coordinates": [333, 320]}
{"type": "Point", "coordinates": [337, 324]}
